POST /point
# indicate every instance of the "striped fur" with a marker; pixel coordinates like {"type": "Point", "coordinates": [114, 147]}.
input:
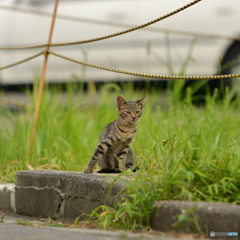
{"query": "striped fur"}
{"type": "Point", "coordinates": [113, 153]}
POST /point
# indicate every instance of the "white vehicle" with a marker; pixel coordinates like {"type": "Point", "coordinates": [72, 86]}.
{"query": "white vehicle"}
{"type": "Point", "coordinates": [149, 50]}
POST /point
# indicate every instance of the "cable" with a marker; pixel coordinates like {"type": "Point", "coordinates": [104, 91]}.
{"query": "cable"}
{"type": "Point", "coordinates": [122, 25]}
{"type": "Point", "coordinates": [107, 36]}
{"type": "Point", "coordinates": [22, 61]}
{"type": "Point", "coordinates": [145, 74]}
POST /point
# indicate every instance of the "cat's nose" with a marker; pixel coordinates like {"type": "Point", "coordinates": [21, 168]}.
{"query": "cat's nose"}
{"type": "Point", "coordinates": [133, 117]}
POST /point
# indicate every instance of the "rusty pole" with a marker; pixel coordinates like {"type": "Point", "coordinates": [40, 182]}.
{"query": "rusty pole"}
{"type": "Point", "coordinates": [42, 79]}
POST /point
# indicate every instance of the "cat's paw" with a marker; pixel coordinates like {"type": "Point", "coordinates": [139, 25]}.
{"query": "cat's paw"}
{"type": "Point", "coordinates": [133, 169]}
{"type": "Point", "coordinates": [88, 170]}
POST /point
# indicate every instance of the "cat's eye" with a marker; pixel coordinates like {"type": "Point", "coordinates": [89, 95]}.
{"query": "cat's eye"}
{"type": "Point", "coordinates": [128, 112]}
{"type": "Point", "coordinates": [137, 112]}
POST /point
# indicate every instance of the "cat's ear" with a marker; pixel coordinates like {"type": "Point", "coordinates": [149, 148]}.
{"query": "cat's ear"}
{"type": "Point", "coordinates": [121, 102]}
{"type": "Point", "coordinates": [141, 101]}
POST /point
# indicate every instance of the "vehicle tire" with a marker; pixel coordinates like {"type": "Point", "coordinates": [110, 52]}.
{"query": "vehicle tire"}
{"type": "Point", "coordinates": [231, 64]}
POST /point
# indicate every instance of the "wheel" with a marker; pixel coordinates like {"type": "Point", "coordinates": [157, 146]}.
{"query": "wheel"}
{"type": "Point", "coordinates": [231, 65]}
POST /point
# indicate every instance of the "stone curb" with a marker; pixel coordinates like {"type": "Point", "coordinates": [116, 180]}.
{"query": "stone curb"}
{"type": "Point", "coordinates": [67, 195]}
{"type": "Point", "coordinates": [200, 217]}
{"type": "Point", "coordinates": [7, 197]}
{"type": "Point", "coordinates": [60, 194]}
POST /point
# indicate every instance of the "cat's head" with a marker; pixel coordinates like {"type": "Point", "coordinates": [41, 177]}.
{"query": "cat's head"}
{"type": "Point", "coordinates": [130, 111]}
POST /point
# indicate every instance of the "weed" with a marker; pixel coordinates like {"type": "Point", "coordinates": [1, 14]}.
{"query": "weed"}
{"type": "Point", "coordinates": [189, 218]}
{"type": "Point", "coordinates": [183, 152]}
{"type": "Point", "coordinates": [24, 223]}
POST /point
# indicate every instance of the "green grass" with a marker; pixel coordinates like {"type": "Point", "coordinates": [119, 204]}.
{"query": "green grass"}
{"type": "Point", "coordinates": [184, 152]}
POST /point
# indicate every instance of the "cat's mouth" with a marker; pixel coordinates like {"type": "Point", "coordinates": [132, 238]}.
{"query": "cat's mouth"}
{"type": "Point", "coordinates": [130, 120]}
{"type": "Point", "coordinates": [133, 120]}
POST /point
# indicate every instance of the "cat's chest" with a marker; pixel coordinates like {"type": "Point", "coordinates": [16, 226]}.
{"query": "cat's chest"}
{"type": "Point", "coordinates": [127, 137]}
{"type": "Point", "coordinates": [119, 145]}
{"type": "Point", "coordinates": [125, 134]}
{"type": "Point", "coordinates": [125, 140]}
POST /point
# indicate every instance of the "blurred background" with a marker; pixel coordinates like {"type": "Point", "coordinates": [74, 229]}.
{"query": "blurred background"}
{"type": "Point", "coordinates": [183, 44]}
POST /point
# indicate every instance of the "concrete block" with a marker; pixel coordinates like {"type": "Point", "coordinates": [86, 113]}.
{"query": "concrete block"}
{"type": "Point", "coordinates": [209, 216]}
{"type": "Point", "coordinates": [7, 197]}
{"type": "Point", "coordinates": [41, 202]}
{"type": "Point", "coordinates": [62, 194]}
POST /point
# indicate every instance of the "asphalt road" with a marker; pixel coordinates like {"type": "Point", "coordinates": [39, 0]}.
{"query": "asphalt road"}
{"type": "Point", "coordinates": [10, 230]}
{"type": "Point", "coordinates": [19, 232]}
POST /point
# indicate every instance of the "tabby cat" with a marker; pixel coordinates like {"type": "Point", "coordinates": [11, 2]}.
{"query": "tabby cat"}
{"type": "Point", "coordinates": [113, 153]}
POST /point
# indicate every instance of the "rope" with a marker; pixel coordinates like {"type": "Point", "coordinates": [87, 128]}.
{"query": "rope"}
{"type": "Point", "coordinates": [107, 36]}
{"type": "Point", "coordinates": [122, 25]}
{"type": "Point", "coordinates": [45, 53]}
{"type": "Point", "coordinates": [24, 60]}
{"type": "Point", "coordinates": [147, 75]}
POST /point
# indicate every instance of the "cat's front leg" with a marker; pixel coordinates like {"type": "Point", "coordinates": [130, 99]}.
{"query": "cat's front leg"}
{"type": "Point", "coordinates": [124, 155]}
{"type": "Point", "coordinates": [122, 158]}
{"type": "Point", "coordinates": [101, 149]}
